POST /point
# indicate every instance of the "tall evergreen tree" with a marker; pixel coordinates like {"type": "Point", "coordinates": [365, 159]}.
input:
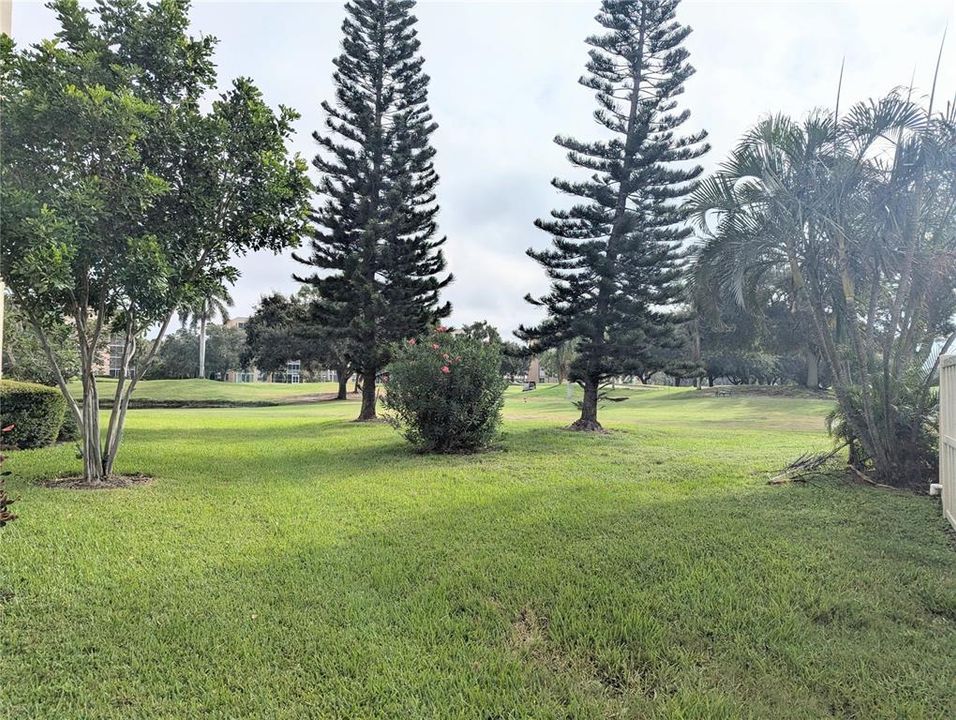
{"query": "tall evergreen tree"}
{"type": "Point", "coordinates": [374, 235]}
{"type": "Point", "coordinates": [615, 264]}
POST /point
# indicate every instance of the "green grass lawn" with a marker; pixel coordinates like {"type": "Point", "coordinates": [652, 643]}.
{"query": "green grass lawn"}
{"type": "Point", "coordinates": [210, 390]}
{"type": "Point", "coordinates": [287, 563]}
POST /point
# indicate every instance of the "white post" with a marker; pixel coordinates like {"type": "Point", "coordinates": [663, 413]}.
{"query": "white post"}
{"type": "Point", "coordinates": [947, 435]}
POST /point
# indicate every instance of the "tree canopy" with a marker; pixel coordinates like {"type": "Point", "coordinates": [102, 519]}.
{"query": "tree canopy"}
{"type": "Point", "coordinates": [857, 211]}
{"type": "Point", "coordinates": [122, 196]}
{"type": "Point", "coordinates": [374, 235]}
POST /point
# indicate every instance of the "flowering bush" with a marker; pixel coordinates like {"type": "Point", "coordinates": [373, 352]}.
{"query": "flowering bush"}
{"type": "Point", "coordinates": [445, 392]}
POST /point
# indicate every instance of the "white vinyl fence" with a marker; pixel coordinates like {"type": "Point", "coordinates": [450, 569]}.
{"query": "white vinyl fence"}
{"type": "Point", "coordinates": [947, 435]}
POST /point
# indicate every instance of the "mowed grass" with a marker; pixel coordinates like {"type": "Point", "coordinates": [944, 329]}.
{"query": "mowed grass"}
{"type": "Point", "coordinates": [197, 390]}
{"type": "Point", "coordinates": [288, 563]}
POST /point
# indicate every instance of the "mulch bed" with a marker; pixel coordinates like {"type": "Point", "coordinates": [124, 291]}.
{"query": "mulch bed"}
{"type": "Point", "coordinates": [113, 482]}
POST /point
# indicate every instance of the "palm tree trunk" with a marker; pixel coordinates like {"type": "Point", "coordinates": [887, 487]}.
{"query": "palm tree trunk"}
{"type": "Point", "coordinates": [202, 346]}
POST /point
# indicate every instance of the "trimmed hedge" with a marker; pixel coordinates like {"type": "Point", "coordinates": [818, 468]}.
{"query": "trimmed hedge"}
{"type": "Point", "coordinates": [36, 411]}
{"type": "Point", "coordinates": [69, 430]}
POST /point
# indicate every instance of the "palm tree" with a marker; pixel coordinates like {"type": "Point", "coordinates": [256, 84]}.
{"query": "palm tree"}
{"type": "Point", "coordinates": [199, 311]}
{"type": "Point", "coordinates": [858, 214]}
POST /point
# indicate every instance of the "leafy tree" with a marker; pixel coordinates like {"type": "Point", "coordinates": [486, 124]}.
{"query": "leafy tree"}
{"type": "Point", "coordinates": [179, 353]}
{"type": "Point", "coordinates": [765, 317]}
{"type": "Point", "coordinates": [374, 235]}
{"type": "Point", "coordinates": [197, 312]}
{"type": "Point", "coordinates": [121, 196]}
{"type": "Point", "coordinates": [615, 260]}
{"type": "Point", "coordinates": [859, 212]}
{"type": "Point", "coordinates": [287, 328]}
{"type": "Point", "coordinates": [556, 362]}
{"type": "Point", "coordinates": [514, 360]}
{"type": "Point", "coordinates": [23, 354]}
{"type": "Point", "coordinates": [482, 330]}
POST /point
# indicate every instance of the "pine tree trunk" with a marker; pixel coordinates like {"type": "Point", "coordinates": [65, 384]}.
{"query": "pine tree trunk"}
{"type": "Point", "coordinates": [368, 397]}
{"type": "Point", "coordinates": [341, 374]}
{"type": "Point", "coordinates": [588, 421]}
{"type": "Point", "coordinates": [202, 346]}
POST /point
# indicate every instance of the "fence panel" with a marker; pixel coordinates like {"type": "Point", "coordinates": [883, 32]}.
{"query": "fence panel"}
{"type": "Point", "coordinates": [947, 435]}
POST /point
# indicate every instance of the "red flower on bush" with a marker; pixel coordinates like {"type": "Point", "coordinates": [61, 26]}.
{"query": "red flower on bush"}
{"type": "Point", "coordinates": [411, 341]}
{"type": "Point", "coordinates": [445, 369]}
{"type": "Point", "coordinates": [441, 328]}
{"type": "Point", "coordinates": [434, 346]}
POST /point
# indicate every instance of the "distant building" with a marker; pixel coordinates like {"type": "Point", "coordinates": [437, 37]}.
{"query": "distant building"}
{"type": "Point", "coordinates": [292, 373]}
{"type": "Point", "coordinates": [109, 360]}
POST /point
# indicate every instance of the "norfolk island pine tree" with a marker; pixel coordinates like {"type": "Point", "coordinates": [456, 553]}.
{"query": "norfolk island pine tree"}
{"type": "Point", "coordinates": [373, 237]}
{"type": "Point", "coordinates": [615, 263]}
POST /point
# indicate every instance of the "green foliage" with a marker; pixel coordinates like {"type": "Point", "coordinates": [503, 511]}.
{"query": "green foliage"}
{"type": "Point", "coordinates": [481, 330]}
{"type": "Point", "coordinates": [125, 194]}
{"type": "Point", "coordinates": [615, 259]}
{"type": "Point", "coordinates": [211, 302]}
{"type": "Point", "coordinates": [742, 368]}
{"type": "Point", "coordinates": [23, 355]}
{"type": "Point", "coordinates": [285, 328]}
{"type": "Point", "coordinates": [69, 429]}
{"type": "Point", "coordinates": [912, 424]}
{"type": "Point", "coordinates": [35, 411]}
{"type": "Point", "coordinates": [556, 362]}
{"type": "Point", "coordinates": [445, 392]}
{"type": "Point", "coordinates": [178, 356]}
{"type": "Point", "coordinates": [380, 267]}
{"type": "Point", "coordinates": [852, 219]}
{"type": "Point", "coordinates": [514, 360]}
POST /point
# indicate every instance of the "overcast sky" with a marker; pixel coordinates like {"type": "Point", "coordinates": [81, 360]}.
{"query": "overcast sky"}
{"type": "Point", "coordinates": [504, 83]}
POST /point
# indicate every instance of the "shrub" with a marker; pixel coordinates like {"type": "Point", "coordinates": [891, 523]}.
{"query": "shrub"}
{"type": "Point", "coordinates": [913, 428]}
{"type": "Point", "coordinates": [445, 392]}
{"type": "Point", "coordinates": [35, 411]}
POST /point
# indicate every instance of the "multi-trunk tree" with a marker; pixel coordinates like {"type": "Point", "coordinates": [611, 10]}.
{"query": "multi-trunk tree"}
{"type": "Point", "coordinates": [857, 211]}
{"type": "Point", "coordinates": [123, 194]}
{"type": "Point", "coordinates": [374, 238]}
{"type": "Point", "coordinates": [615, 264]}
